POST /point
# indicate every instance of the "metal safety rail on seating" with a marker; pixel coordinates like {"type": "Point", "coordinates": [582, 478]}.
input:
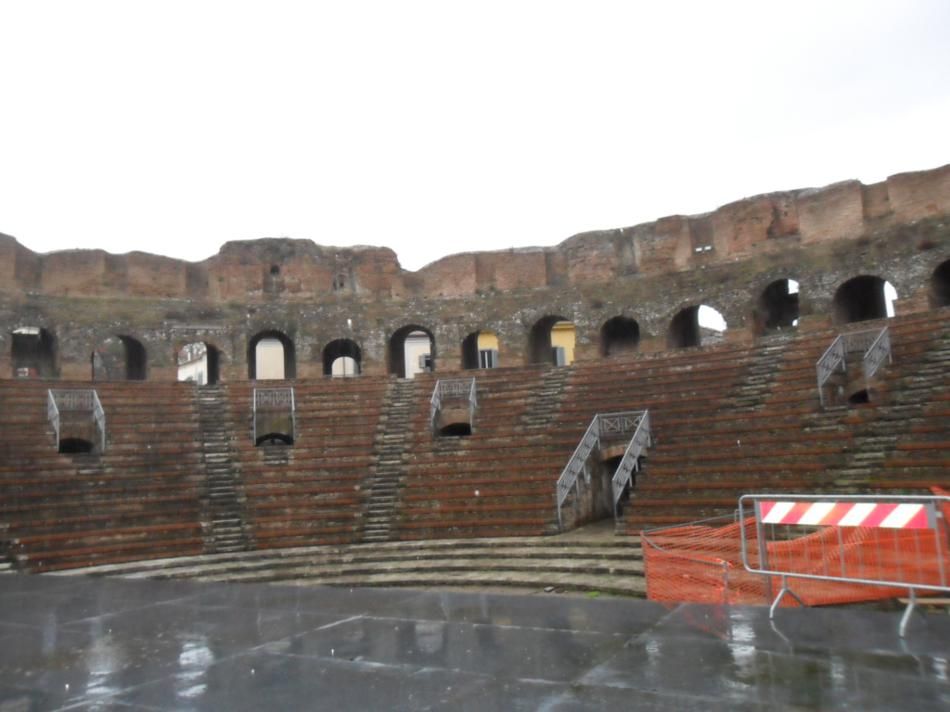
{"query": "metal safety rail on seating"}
{"type": "Point", "coordinates": [453, 389]}
{"type": "Point", "coordinates": [606, 426]}
{"type": "Point", "coordinates": [60, 401]}
{"type": "Point", "coordinates": [874, 344]}
{"type": "Point", "coordinates": [861, 540]}
{"type": "Point", "coordinates": [275, 401]}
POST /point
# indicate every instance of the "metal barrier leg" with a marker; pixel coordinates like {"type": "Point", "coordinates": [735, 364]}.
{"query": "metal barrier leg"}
{"type": "Point", "coordinates": [905, 619]}
{"type": "Point", "coordinates": [781, 595]}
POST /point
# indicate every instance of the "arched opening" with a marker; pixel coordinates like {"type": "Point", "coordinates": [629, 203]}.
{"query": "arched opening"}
{"type": "Point", "coordinates": [696, 326]}
{"type": "Point", "coordinates": [940, 282]}
{"type": "Point", "coordinates": [860, 396]}
{"type": "Point", "coordinates": [274, 439]}
{"type": "Point", "coordinates": [552, 340]}
{"type": "Point", "coordinates": [75, 446]}
{"type": "Point", "coordinates": [271, 357]}
{"type": "Point", "coordinates": [862, 298]}
{"type": "Point", "coordinates": [778, 305]}
{"type": "Point", "coordinates": [341, 359]}
{"type": "Point", "coordinates": [480, 350]}
{"type": "Point", "coordinates": [411, 351]}
{"type": "Point", "coordinates": [618, 335]}
{"type": "Point", "coordinates": [33, 353]}
{"type": "Point", "coordinates": [199, 363]}
{"type": "Point", "coordinates": [119, 358]}
{"type": "Point", "coordinates": [456, 430]}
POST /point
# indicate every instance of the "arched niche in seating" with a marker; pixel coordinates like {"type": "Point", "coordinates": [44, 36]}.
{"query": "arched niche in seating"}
{"type": "Point", "coordinates": [480, 350]}
{"type": "Point", "coordinates": [199, 362]}
{"type": "Point", "coordinates": [619, 335]}
{"type": "Point", "coordinates": [33, 353]}
{"type": "Point", "coordinates": [698, 325]}
{"type": "Point", "coordinates": [778, 306]}
{"type": "Point", "coordinates": [940, 284]}
{"type": "Point", "coordinates": [411, 351]}
{"type": "Point", "coordinates": [342, 358]}
{"type": "Point", "coordinates": [119, 358]}
{"type": "Point", "coordinates": [863, 297]}
{"type": "Point", "coordinates": [271, 356]}
{"type": "Point", "coordinates": [552, 340]}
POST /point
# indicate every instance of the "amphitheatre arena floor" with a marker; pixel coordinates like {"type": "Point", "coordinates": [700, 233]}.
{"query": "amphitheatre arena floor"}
{"type": "Point", "coordinates": [87, 643]}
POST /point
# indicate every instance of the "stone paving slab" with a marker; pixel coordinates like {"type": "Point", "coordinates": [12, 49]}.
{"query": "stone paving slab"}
{"type": "Point", "coordinates": [103, 644]}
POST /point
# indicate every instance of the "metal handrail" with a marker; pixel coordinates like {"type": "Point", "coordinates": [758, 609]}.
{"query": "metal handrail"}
{"type": "Point", "coordinates": [833, 358]}
{"type": "Point", "coordinates": [601, 426]}
{"type": "Point", "coordinates": [99, 415]}
{"type": "Point", "coordinates": [52, 414]}
{"type": "Point", "coordinates": [576, 464]}
{"type": "Point", "coordinates": [453, 388]}
{"type": "Point", "coordinates": [874, 344]}
{"type": "Point", "coordinates": [877, 353]}
{"type": "Point", "coordinates": [630, 462]}
{"type": "Point", "coordinates": [274, 400]}
{"type": "Point", "coordinates": [75, 400]}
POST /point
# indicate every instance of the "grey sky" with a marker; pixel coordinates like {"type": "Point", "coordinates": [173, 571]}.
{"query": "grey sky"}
{"type": "Point", "coordinates": [440, 127]}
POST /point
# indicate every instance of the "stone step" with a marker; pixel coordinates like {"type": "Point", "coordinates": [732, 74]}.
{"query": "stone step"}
{"type": "Point", "coordinates": [624, 583]}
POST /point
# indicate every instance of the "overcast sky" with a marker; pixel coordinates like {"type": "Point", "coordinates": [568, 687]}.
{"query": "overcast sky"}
{"type": "Point", "coordinates": [441, 127]}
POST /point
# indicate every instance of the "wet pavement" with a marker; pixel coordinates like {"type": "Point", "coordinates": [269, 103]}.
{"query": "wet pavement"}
{"type": "Point", "coordinates": [100, 644]}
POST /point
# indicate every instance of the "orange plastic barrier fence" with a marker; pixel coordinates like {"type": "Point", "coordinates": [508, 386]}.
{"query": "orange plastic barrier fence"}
{"type": "Point", "coordinates": [702, 562]}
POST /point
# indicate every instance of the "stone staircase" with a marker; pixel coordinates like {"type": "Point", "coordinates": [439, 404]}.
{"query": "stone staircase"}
{"type": "Point", "coordinates": [547, 400]}
{"type": "Point", "coordinates": [750, 393]}
{"type": "Point", "coordinates": [224, 503]}
{"type": "Point", "coordinates": [392, 437]}
{"type": "Point", "coordinates": [876, 439]}
{"type": "Point", "coordinates": [602, 564]}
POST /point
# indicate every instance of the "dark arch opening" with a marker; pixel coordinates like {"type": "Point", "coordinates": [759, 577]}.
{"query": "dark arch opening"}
{"type": "Point", "coordinates": [470, 351]}
{"type": "Point", "coordinates": [75, 446]}
{"type": "Point", "coordinates": [409, 353]}
{"type": "Point", "coordinates": [941, 284]}
{"type": "Point", "coordinates": [274, 439]}
{"type": "Point", "coordinates": [456, 430]}
{"type": "Point", "coordinates": [860, 396]}
{"type": "Point", "coordinates": [861, 298]}
{"type": "Point", "coordinates": [618, 335]}
{"type": "Point", "coordinates": [684, 329]}
{"type": "Point", "coordinates": [119, 358]}
{"type": "Point", "coordinates": [271, 371]}
{"type": "Point", "coordinates": [695, 326]}
{"type": "Point", "coordinates": [33, 353]}
{"type": "Point", "coordinates": [199, 362]}
{"type": "Point", "coordinates": [541, 346]}
{"type": "Point", "coordinates": [779, 306]}
{"type": "Point", "coordinates": [342, 358]}
{"type": "Point", "coordinates": [480, 350]}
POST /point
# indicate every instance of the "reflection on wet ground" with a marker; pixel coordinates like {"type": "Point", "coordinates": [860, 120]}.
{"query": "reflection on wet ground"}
{"type": "Point", "coordinates": [103, 644]}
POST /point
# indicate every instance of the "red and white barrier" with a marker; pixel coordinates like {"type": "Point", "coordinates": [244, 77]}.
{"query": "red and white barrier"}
{"type": "Point", "coordinates": [846, 514]}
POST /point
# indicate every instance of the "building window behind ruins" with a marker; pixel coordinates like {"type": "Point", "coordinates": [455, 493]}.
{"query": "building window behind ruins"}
{"type": "Point", "coordinates": [552, 341]}
{"type": "Point", "coordinates": [411, 351]}
{"type": "Point", "coordinates": [480, 350]}
{"type": "Point", "coordinates": [33, 353]}
{"type": "Point", "coordinates": [198, 363]}
{"type": "Point", "coordinates": [339, 282]}
{"type": "Point", "coordinates": [862, 298]}
{"type": "Point", "coordinates": [342, 359]}
{"type": "Point", "coordinates": [271, 356]}
{"type": "Point", "coordinates": [779, 305]}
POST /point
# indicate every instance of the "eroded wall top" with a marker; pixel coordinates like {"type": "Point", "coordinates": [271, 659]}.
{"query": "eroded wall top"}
{"type": "Point", "coordinates": [297, 270]}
